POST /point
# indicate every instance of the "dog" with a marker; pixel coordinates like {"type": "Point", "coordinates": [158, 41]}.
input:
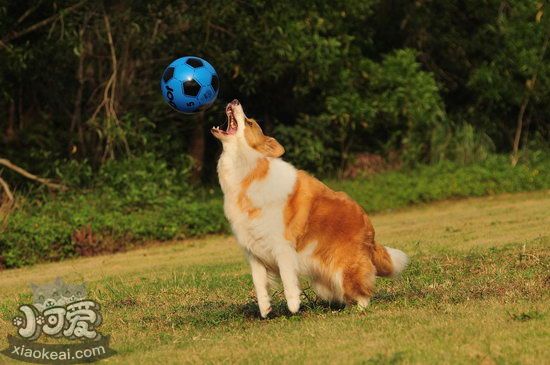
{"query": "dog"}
{"type": "Point", "coordinates": [290, 224]}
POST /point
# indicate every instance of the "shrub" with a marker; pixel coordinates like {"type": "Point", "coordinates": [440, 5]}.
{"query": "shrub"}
{"type": "Point", "coordinates": [143, 180]}
{"type": "Point", "coordinates": [446, 180]}
{"type": "Point", "coordinates": [461, 144]}
{"type": "Point", "coordinates": [130, 200]}
{"type": "Point", "coordinates": [376, 97]}
{"type": "Point", "coordinates": [406, 99]}
{"type": "Point", "coordinates": [106, 219]}
{"type": "Point", "coordinates": [308, 145]}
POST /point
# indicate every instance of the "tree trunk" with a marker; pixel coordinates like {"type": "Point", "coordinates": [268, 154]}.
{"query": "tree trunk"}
{"type": "Point", "coordinates": [197, 148]}
{"type": "Point", "coordinates": [519, 127]}
{"type": "Point", "coordinates": [529, 88]}
{"type": "Point", "coordinates": [76, 120]}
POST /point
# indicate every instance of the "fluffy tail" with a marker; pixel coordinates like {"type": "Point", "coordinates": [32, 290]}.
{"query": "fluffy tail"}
{"type": "Point", "coordinates": [389, 261]}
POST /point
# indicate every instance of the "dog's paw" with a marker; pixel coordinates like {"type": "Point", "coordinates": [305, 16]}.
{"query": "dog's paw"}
{"type": "Point", "coordinates": [264, 312]}
{"type": "Point", "coordinates": [293, 305]}
{"type": "Point", "coordinates": [265, 309]}
{"type": "Point", "coordinates": [363, 303]}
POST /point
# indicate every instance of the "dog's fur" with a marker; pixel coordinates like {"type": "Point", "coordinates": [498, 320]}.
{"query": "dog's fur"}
{"type": "Point", "coordinates": [291, 224]}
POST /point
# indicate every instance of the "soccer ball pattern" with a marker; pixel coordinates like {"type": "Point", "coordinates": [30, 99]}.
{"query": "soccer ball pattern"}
{"type": "Point", "coordinates": [190, 84]}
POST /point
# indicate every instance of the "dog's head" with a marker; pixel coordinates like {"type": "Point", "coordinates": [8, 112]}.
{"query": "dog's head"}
{"type": "Point", "coordinates": [245, 131]}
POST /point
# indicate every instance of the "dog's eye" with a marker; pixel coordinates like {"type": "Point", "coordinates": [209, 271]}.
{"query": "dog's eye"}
{"type": "Point", "coordinates": [249, 123]}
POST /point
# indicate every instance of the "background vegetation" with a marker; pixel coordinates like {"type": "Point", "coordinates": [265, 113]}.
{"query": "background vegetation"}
{"type": "Point", "coordinates": [444, 99]}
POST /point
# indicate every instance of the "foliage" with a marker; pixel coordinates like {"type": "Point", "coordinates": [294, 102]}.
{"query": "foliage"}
{"type": "Point", "coordinates": [489, 57]}
{"type": "Point", "coordinates": [461, 144]}
{"type": "Point", "coordinates": [394, 94]}
{"type": "Point", "coordinates": [407, 102]}
{"type": "Point", "coordinates": [143, 181]}
{"type": "Point", "coordinates": [135, 198]}
{"type": "Point", "coordinates": [446, 180]}
{"type": "Point", "coordinates": [385, 76]}
{"type": "Point", "coordinates": [441, 83]}
{"type": "Point", "coordinates": [142, 202]}
{"type": "Point", "coordinates": [310, 144]}
{"type": "Point", "coordinates": [517, 69]}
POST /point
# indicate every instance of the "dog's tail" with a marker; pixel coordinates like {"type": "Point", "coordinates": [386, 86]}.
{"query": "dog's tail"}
{"type": "Point", "coordinates": [388, 261]}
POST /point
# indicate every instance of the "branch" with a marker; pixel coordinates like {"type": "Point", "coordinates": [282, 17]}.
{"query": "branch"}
{"type": "Point", "coordinates": [111, 102]}
{"type": "Point", "coordinates": [221, 29]}
{"type": "Point", "coordinates": [108, 101]}
{"type": "Point", "coordinates": [14, 35]}
{"type": "Point", "coordinates": [27, 13]}
{"type": "Point", "coordinates": [76, 119]}
{"type": "Point", "coordinates": [6, 189]}
{"type": "Point", "coordinates": [30, 176]}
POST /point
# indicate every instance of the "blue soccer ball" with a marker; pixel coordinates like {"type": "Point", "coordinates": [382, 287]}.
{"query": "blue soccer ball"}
{"type": "Point", "coordinates": [190, 84]}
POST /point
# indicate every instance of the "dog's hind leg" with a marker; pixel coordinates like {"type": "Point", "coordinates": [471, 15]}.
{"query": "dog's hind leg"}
{"type": "Point", "coordinates": [358, 283]}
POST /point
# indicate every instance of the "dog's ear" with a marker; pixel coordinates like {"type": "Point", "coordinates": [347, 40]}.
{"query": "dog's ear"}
{"type": "Point", "coordinates": [271, 147]}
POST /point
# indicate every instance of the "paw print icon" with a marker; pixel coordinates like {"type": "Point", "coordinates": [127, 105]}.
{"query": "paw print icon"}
{"type": "Point", "coordinates": [40, 320]}
{"type": "Point", "coordinates": [18, 322]}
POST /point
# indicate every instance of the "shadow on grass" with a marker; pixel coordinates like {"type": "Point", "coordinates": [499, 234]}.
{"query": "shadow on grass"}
{"type": "Point", "coordinates": [214, 313]}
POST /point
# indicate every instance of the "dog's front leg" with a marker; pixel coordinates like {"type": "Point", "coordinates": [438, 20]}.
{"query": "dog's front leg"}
{"type": "Point", "coordinates": [261, 282]}
{"type": "Point", "coordinates": [288, 270]}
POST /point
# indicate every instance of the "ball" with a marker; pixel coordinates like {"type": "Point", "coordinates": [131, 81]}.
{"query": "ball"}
{"type": "Point", "coordinates": [190, 84]}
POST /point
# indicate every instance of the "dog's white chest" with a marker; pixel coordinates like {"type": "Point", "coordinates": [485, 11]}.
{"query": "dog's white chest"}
{"type": "Point", "coordinates": [262, 232]}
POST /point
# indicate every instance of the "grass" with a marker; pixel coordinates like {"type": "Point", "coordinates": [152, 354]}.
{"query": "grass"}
{"type": "Point", "coordinates": [477, 291]}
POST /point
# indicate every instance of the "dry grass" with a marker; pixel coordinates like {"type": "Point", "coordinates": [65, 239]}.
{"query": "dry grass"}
{"type": "Point", "coordinates": [477, 292]}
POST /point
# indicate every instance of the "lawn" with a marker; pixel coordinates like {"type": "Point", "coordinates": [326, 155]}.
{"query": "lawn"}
{"type": "Point", "coordinates": [477, 291]}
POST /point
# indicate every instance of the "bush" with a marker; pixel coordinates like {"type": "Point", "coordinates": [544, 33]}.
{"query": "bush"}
{"type": "Point", "coordinates": [461, 144]}
{"type": "Point", "coordinates": [405, 99]}
{"type": "Point", "coordinates": [144, 180]}
{"type": "Point", "coordinates": [446, 180]}
{"type": "Point", "coordinates": [107, 219]}
{"type": "Point", "coordinates": [377, 97]}
{"type": "Point", "coordinates": [130, 200]}
{"type": "Point", "coordinates": [308, 145]}
{"type": "Point", "coordinates": [49, 232]}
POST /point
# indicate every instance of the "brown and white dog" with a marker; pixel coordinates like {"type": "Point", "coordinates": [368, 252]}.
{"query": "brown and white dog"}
{"type": "Point", "coordinates": [291, 224]}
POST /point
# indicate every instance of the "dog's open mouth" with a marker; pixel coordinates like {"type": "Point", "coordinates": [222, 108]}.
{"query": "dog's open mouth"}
{"type": "Point", "coordinates": [231, 122]}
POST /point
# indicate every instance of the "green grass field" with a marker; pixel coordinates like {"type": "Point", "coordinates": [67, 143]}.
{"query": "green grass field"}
{"type": "Point", "coordinates": [477, 291]}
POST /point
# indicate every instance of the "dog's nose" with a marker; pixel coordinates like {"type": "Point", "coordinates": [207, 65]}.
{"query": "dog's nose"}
{"type": "Point", "coordinates": [235, 102]}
